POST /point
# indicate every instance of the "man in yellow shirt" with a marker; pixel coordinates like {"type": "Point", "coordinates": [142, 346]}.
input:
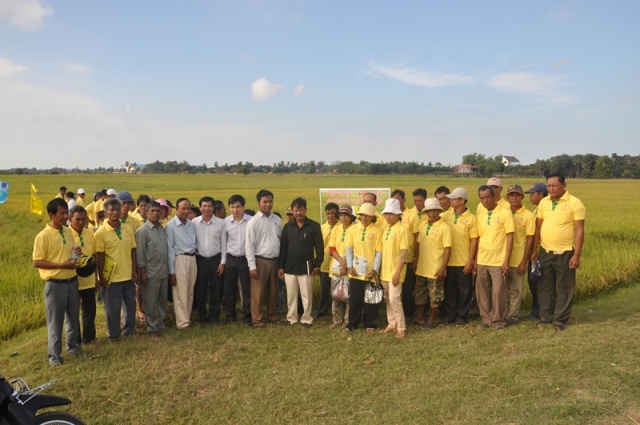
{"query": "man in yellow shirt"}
{"type": "Point", "coordinates": [525, 229]}
{"type": "Point", "coordinates": [116, 242]}
{"type": "Point", "coordinates": [331, 212]}
{"type": "Point", "coordinates": [495, 229]}
{"type": "Point", "coordinates": [536, 193]}
{"type": "Point", "coordinates": [441, 196]}
{"type": "Point", "coordinates": [127, 205]}
{"type": "Point", "coordinates": [63, 191]}
{"type": "Point", "coordinates": [80, 194]}
{"type": "Point", "coordinates": [496, 185]}
{"type": "Point", "coordinates": [433, 251]}
{"type": "Point", "coordinates": [52, 256]}
{"type": "Point", "coordinates": [91, 212]}
{"type": "Point", "coordinates": [87, 286]}
{"type": "Point", "coordinates": [458, 283]}
{"type": "Point", "coordinates": [560, 231]}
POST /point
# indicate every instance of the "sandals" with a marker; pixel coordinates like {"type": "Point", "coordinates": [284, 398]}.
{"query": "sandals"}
{"type": "Point", "coordinates": [388, 330]}
{"type": "Point", "coordinates": [401, 334]}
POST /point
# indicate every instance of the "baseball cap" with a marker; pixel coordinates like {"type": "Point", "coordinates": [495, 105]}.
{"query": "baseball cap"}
{"type": "Point", "coordinates": [124, 196]}
{"type": "Point", "coordinates": [494, 181]}
{"type": "Point", "coordinates": [458, 192]}
{"type": "Point", "coordinates": [515, 188]}
{"type": "Point", "coordinates": [432, 204]}
{"type": "Point", "coordinates": [87, 266]}
{"type": "Point", "coordinates": [81, 190]}
{"type": "Point", "coordinates": [111, 192]}
{"type": "Point", "coordinates": [538, 187]}
{"type": "Point", "coordinates": [289, 211]}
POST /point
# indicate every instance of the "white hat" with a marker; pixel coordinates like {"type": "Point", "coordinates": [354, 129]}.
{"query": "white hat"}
{"type": "Point", "coordinates": [111, 192]}
{"type": "Point", "coordinates": [459, 192]}
{"type": "Point", "coordinates": [392, 206]}
{"type": "Point", "coordinates": [494, 181]}
{"type": "Point", "coordinates": [367, 209]}
{"type": "Point", "coordinates": [431, 204]}
{"type": "Point", "coordinates": [81, 190]}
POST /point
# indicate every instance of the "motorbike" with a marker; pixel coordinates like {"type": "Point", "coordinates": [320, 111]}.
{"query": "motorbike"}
{"type": "Point", "coordinates": [19, 405]}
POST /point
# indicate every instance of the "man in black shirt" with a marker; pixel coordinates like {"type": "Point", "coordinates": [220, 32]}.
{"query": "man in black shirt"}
{"type": "Point", "coordinates": [301, 253]}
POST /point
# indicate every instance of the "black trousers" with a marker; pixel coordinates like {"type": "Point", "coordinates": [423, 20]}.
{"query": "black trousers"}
{"type": "Point", "coordinates": [88, 317]}
{"type": "Point", "coordinates": [325, 294]}
{"type": "Point", "coordinates": [237, 268]}
{"type": "Point", "coordinates": [458, 294]}
{"type": "Point", "coordinates": [409, 284]}
{"type": "Point", "coordinates": [356, 303]}
{"type": "Point", "coordinates": [533, 287]}
{"type": "Point", "coordinates": [208, 281]}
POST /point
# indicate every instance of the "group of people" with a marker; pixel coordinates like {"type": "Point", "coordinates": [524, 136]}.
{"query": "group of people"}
{"type": "Point", "coordinates": [423, 256]}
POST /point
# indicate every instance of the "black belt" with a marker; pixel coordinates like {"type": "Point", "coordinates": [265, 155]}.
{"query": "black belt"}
{"type": "Point", "coordinates": [73, 279]}
{"type": "Point", "coordinates": [265, 258]}
{"type": "Point", "coordinates": [236, 257]}
{"type": "Point", "coordinates": [190, 254]}
{"type": "Point", "coordinates": [209, 258]}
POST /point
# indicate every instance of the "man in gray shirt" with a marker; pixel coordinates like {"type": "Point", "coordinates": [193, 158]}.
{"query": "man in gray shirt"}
{"type": "Point", "coordinates": [152, 254]}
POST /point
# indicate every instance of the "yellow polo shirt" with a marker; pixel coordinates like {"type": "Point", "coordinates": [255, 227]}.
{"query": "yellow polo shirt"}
{"type": "Point", "coordinates": [557, 232]}
{"type": "Point", "coordinates": [80, 201]}
{"type": "Point", "coordinates": [136, 214]}
{"type": "Point", "coordinates": [55, 246]}
{"type": "Point", "coordinates": [117, 248]}
{"type": "Point", "coordinates": [410, 221]}
{"type": "Point", "coordinates": [464, 227]}
{"type": "Point", "coordinates": [502, 202]}
{"type": "Point", "coordinates": [365, 241]}
{"type": "Point", "coordinates": [339, 238]}
{"type": "Point", "coordinates": [394, 239]}
{"type": "Point", "coordinates": [525, 225]}
{"type": "Point", "coordinates": [327, 231]}
{"type": "Point", "coordinates": [98, 206]}
{"type": "Point", "coordinates": [87, 246]}
{"type": "Point", "coordinates": [132, 222]}
{"type": "Point", "coordinates": [493, 227]}
{"type": "Point", "coordinates": [91, 214]}
{"type": "Point", "coordinates": [433, 239]}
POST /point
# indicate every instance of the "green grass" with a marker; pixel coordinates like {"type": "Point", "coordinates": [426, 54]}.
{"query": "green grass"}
{"type": "Point", "coordinates": [588, 374]}
{"type": "Point", "coordinates": [611, 254]}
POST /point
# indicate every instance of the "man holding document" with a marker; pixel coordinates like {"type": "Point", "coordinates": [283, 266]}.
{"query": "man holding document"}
{"type": "Point", "coordinates": [298, 263]}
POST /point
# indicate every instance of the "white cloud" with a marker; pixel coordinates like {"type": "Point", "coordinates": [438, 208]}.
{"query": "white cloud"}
{"type": "Point", "coordinates": [262, 89]}
{"type": "Point", "coordinates": [249, 58]}
{"type": "Point", "coordinates": [25, 14]}
{"type": "Point", "coordinates": [559, 14]}
{"type": "Point", "coordinates": [9, 69]}
{"type": "Point", "coordinates": [299, 90]}
{"type": "Point", "coordinates": [419, 77]}
{"type": "Point", "coordinates": [78, 69]}
{"type": "Point", "coordinates": [562, 62]}
{"type": "Point", "coordinates": [529, 83]}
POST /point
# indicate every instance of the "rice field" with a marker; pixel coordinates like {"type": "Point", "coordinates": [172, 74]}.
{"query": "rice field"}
{"type": "Point", "coordinates": [611, 254]}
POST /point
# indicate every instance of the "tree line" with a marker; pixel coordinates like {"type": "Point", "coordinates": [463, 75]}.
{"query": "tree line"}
{"type": "Point", "coordinates": [588, 166]}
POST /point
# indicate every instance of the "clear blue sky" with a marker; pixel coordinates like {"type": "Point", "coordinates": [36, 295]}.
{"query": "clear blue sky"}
{"type": "Point", "coordinates": [90, 83]}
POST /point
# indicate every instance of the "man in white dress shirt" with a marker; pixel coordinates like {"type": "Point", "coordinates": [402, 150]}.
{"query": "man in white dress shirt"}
{"type": "Point", "coordinates": [211, 247]}
{"type": "Point", "coordinates": [262, 248]}
{"type": "Point", "coordinates": [235, 261]}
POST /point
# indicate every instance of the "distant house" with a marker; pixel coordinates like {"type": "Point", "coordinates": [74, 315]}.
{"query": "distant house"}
{"type": "Point", "coordinates": [510, 160]}
{"type": "Point", "coordinates": [465, 170]}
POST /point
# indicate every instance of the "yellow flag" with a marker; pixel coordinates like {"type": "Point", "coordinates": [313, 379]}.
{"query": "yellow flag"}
{"type": "Point", "coordinates": [36, 202]}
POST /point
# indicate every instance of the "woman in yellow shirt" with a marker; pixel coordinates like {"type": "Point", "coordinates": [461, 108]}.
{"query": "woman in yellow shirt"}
{"type": "Point", "coordinates": [395, 245]}
{"type": "Point", "coordinates": [364, 256]}
{"type": "Point", "coordinates": [338, 250]}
